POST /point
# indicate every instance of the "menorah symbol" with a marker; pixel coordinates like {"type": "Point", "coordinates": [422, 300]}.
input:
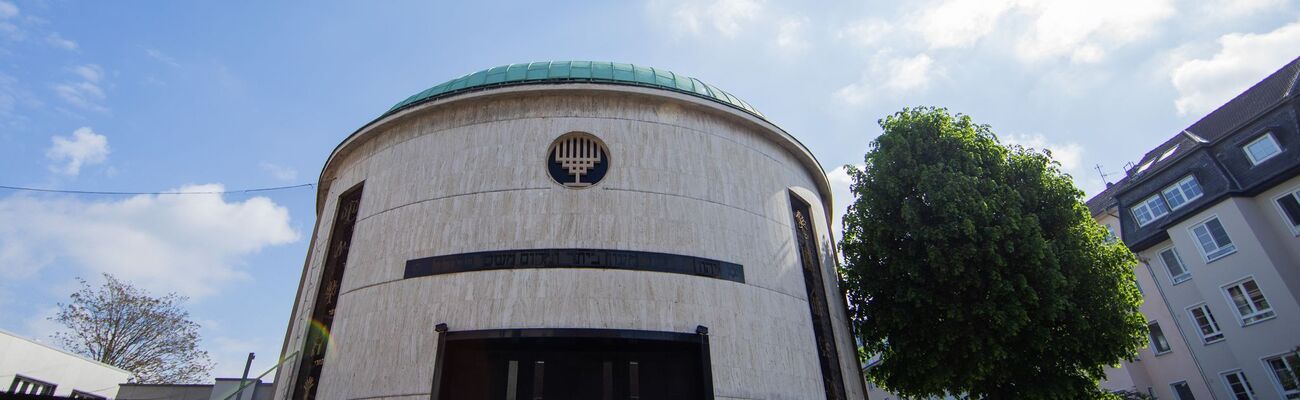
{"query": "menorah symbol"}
{"type": "Point", "coordinates": [577, 155]}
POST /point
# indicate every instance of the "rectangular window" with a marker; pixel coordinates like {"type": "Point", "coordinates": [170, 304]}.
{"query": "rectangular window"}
{"type": "Point", "coordinates": [1290, 205]}
{"type": "Point", "coordinates": [1111, 237]}
{"type": "Point", "coordinates": [1149, 210]}
{"type": "Point", "coordinates": [1238, 385]}
{"type": "Point", "coordinates": [25, 385]}
{"type": "Point", "coordinates": [1181, 193]}
{"type": "Point", "coordinates": [1249, 301]}
{"type": "Point", "coordinates": [1213, 239]}
{"type": "Point", "coordinates": [1286, 369]}
{"type": "Point", "coordinates": [1158, 341]}
{"type": "Point", "coordinates": [1262, 149]}
{"type": "Point", "coordinates": [1177, 271]}
{"type": "Point", "coordinates": [1182, 391]}
{"type": "Point", "coordinates": [1201, 316]}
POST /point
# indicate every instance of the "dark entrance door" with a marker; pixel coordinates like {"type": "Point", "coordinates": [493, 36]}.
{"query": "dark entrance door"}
{"type": "Point", "coordinates": [553, 364]}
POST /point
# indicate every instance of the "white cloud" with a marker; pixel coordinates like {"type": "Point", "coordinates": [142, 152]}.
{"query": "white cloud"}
{"type": "Point", "coordinates": [279, 171]}
{"type": "Point", "coordinates": [959, 23]}
{"type": "Point", "coordinates": [891, 76]}
{"type": "Point", "coordinates": [54, 39]}
{"type": "Point", "coordinates": [86, 93]}
{"type": "Point", "coordinates": [867, 32]}
{"type": "Point", "coordinates": [1082, 31]}
{"type": "Point", "coordinates": [1062, 27]}
{"type": "Point", "coordinates": [1243, 59]}
{"type": "Point", "coordinates": [1240, 8]}
{"type": "Point", "coordinates": [725, 17]}
{"type": "Point", "coordinates": [190, 244]}
{"type": "Point", "coordinates": [89, 72]}
{"type": "Point", "coordinates": [1069, 154]}
{"type": "Point", "coordinates": [910, 73]}
{"type": "Point", "coordinates": [80, 94]}
{"type": "Point", "coordinates": [840, 180]}
{"type": "Point", "coordinates": [161, 57]}
{"type": "Point", "coordinates": [7, 30]}
{"type": "Point", "coordinates": [83, 147]}
{"type": "Point", "coordinates": [8, 10]}
{"type": "Point", "coordinates": [1088, 54]}
{"type": "Point", "coordinates": [789, 34]}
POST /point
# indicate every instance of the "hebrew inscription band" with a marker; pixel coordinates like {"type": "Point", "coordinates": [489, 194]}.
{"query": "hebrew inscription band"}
{"type": "Point", "coordinates": [575, 258]}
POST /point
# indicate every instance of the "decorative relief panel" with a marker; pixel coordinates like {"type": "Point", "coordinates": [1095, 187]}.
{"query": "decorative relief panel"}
{"type": "Point", "coordinates": [577, 160]}
{"type": "Point", "coordinates": [318, 332]}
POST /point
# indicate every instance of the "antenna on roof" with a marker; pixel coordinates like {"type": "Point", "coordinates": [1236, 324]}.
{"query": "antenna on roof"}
{"type": "Point", "coordinates": [1103, 175]}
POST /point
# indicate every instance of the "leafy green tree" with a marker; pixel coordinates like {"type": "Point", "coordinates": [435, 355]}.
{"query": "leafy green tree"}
{"type": "Point", "coordinates": [973, 268]}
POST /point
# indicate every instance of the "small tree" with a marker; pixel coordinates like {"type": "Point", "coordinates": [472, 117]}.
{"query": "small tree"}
{"type": "Point", "coordinates": [121, 325]}
{"type": "Point", "coordinates": [974, 269]}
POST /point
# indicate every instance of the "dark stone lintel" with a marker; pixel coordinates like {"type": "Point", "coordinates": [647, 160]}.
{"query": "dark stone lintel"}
{"type": "Point", "coordinates": [575, 258]}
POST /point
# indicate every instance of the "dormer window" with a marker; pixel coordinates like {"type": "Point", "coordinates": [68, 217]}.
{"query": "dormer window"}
{"type": "Point", "coordinates": [1149, 210]}
{"type": "Point", "coordinates": [1145, 166]}
{"type": "Point", "coordinates": [1262, 148]}
{"type": "Point", "coordinates": [1181, 193]}
{"type": "Point", "coordinates": [1168, 153]}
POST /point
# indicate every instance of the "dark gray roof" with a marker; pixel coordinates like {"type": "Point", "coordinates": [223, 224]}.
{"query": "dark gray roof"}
{"type": "Point", "coordinates": [1249, 104]}
{"type": "Point", "coordinates": [1104, 200]}
{"type": "Point", "coordinates": [1220, 123]}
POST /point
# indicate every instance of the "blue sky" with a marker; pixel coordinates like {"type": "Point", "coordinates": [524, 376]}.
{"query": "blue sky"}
{"type": "Point", "coordinates": [202, 96]}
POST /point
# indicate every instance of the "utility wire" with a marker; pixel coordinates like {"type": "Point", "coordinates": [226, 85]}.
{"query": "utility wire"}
{"type": "Point", "coordinates": [266, 189]}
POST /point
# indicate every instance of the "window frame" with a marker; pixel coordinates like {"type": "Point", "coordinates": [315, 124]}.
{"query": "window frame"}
{"type": "Point", "coordinates": [1272, 375]}
{"type": "Point", "coordinates": [1174, 389]}
{"type": "Point", "coordinates": [1258, 315]}
{"type": "Point", "coordinates": [1179, 187]}
{"type": "Point", "coordinates": [48, 388]}
{"type": "Point", "coordinates": [1245, 148]}
{"type": "Point", "coordinates": [1145, 204]}
{"type": "Point", "coordinates": [1215, 337]}
{"type": "Point", "coordinates": [1151, 338]}
{"type": "Point", "coordinates": [1250, 389]}
{"type": "Point", "coordinates": [1180, 278]}
{"type": "Point", "coordinates": [1219, 252]}
{"type": "Point", "coordinates": [1294, 193]}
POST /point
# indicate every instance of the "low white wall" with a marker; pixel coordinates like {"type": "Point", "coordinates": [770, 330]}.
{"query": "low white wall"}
{"type": "Point", "coordinates": [21, 356]}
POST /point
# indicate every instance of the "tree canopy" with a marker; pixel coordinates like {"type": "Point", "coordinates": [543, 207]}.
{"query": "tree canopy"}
{"type": "Point", "coordinates": [974, 269]}
{"type": "Point", "coordinates": [123, 326]}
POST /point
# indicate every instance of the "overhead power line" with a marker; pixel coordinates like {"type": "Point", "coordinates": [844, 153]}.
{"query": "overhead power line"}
{"type": "Point", "coordinates": [253, 190]}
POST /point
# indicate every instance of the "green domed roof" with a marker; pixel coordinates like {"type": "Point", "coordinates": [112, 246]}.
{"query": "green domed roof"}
{"type": "Point", "coordinates": [576, 72]}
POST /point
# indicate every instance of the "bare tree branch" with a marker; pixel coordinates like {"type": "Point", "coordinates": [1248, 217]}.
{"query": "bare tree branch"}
{"type": "Point", "coordinates": [121, 325]}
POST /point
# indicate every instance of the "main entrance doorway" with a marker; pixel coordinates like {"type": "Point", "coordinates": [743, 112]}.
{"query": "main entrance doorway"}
{"type": "Point", "coordinates": [573, 364]}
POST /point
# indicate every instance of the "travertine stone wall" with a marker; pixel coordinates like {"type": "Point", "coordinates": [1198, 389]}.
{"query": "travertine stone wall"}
{"type": "Point", "coordinates": [467, 173]}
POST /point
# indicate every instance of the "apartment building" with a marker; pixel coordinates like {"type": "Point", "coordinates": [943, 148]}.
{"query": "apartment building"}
{"type": "Point", "coordinates": [1213, 214]}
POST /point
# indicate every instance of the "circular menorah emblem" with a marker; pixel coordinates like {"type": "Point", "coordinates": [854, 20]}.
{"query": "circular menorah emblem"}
{"type": "Point", "coordinates": [577, 160]}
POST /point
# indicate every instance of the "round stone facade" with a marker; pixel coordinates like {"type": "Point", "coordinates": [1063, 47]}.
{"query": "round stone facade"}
{"type": "Point", "coordinates": [685, 178]}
